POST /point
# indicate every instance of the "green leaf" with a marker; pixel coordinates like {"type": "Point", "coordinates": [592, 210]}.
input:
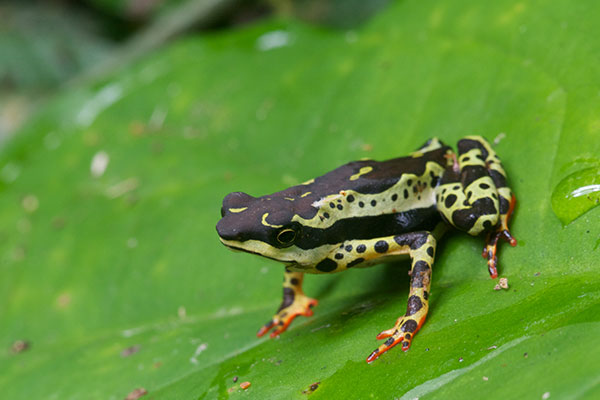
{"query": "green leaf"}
{"type": "Point", "coordinates": [118, 281]}
{"type": "Point", "coordinates": [42, 46]}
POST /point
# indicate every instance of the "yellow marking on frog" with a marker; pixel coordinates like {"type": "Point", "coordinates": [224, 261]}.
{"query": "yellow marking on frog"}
{"type": "Point", "coordinates": [479, 225]}
{"type": "Point", "coordinates": [301, 258]}
{"type": "Point", "coordinates": [433, 145]}
{"type": "Point", "coordinates": [362, 171]}
{"type": "Point", "coordinates": [305, 194]}
{"type": "Point", "coordinates": [238, 210]}
{"type": "Point", "coordinates": [289, 198]}
{"type": "Point", "coordinates": [308, 182]}
{"type": "Point", "coordinates": [382, 199]}
{"type": "Point", "coordinates": [472, 158]}
{"type": "Point", "coordinates": [325, 200]}
{"type": "Point", "coordinates": [265, 223]}
{"type": "Point", "coordinates": [505, 192]}
{"type": "Point", "coordinates": [492, 161]}
{"type": "Point", "coordinates": [496, 166]}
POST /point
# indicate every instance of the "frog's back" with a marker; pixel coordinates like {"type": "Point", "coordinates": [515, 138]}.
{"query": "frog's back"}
{"type": "Point", "coordinates": [366, 197]}
{"type": "Point", "coordinates": [371, 177]}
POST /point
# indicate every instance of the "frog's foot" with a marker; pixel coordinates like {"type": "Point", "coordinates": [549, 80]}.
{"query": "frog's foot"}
{"type": "Point", "coordinates": [403, 332]}
{"type": "Point", "coordinates": [300, 305]}
{"type": "Point", "coordinates": [490, 249]}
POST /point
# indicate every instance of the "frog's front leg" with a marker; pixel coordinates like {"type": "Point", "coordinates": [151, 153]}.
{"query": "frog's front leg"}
{"type": "Point", "coordinates": [294, 303]}
{"type": "Point", "coordinates": [420, 246]}
{"type": "Point", "coordinates": [474, 197]}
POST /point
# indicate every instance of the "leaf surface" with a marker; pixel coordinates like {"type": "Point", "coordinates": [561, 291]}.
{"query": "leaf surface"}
{"type": "Point", "coordinates": [118, 280]}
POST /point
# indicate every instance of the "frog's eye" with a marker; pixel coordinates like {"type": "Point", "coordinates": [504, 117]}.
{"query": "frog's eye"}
{"type": "Point", "coordinates": [286, 236]}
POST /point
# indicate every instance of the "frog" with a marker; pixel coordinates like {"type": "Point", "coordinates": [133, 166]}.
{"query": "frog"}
{"type": "Point", "coordinates": [369, 212]}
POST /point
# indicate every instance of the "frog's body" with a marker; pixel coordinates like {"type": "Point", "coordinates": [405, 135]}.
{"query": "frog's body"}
{"type": "Point", "coordinates": [367, 212]}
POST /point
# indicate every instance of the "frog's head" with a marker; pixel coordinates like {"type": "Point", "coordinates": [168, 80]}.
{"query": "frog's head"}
{"type": "Point", "coordinates": [261, 226]}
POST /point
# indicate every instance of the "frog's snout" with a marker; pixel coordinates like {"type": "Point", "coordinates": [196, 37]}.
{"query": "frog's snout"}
{"type": "Point", "coordinates": [227, 232]}
{"type": "Point", "coordinates": [231, 226]}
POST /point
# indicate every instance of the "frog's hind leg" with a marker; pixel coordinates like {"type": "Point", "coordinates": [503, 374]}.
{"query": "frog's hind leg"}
{"type": "Point", "coordinates": [430, 145]}
{"type": "Point", "coordinates": [507, 202]}
{"type": "Point", "coordinates": [421, 248]}
{"type": "Point", "coordinates": [501, 231]}
{"type": "Point", "coordinates": [474, 197]}
{"type": "Point", "coordinates": [294, 303]}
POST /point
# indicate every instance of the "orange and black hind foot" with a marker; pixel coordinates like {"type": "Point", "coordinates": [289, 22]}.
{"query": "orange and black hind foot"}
{"type": "Point", "coordinates": [502, 231]}
{"type": "Point", "coordinates": [294, 303]}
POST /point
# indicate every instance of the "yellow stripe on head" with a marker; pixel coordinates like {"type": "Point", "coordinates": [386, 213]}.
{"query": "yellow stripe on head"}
{"type": "Point", "coordinates": [265, 223]}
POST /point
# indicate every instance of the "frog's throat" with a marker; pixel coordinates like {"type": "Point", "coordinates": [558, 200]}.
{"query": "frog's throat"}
{"type": "Point", "coordinates": [252, 249]}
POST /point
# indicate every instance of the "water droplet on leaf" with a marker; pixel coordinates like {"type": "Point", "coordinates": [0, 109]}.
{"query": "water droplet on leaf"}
{"type": "Point", "coordinates": [576, 194]}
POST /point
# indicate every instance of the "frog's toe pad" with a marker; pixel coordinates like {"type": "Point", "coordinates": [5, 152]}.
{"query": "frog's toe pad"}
{"type": "Point", "coordinates": [301, 306]}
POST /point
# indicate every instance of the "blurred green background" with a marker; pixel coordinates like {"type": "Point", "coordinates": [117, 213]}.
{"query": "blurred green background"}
{"type": "Point", "coordinates": [123, 124]}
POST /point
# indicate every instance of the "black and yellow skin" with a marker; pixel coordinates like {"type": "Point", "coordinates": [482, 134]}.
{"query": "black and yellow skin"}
{"type": "Point", "coordinates": [367, 212]}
